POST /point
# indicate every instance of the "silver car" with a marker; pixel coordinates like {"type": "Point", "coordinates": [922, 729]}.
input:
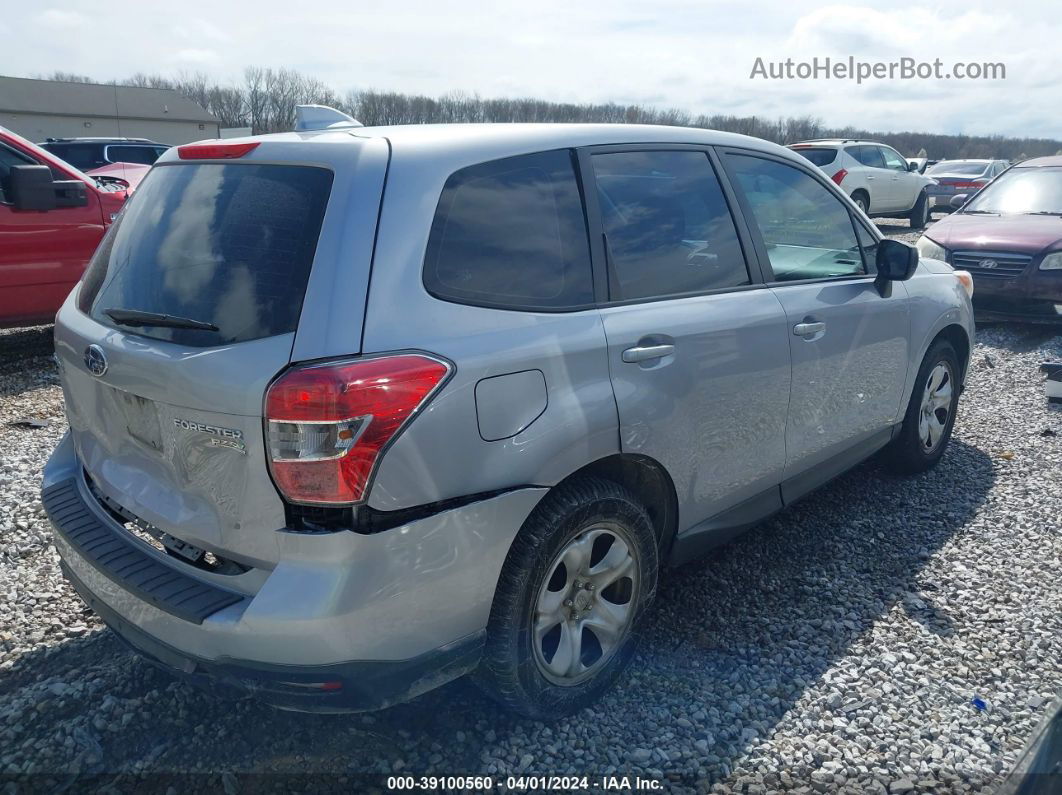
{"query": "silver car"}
{"type": "Point", "coordinates": [954, 177]}
{"type": "Point", "coordinates": [355, 411]}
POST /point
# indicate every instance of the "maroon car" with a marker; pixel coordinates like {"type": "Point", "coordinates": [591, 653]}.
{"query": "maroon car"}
{"type": "Point", "coordinates": [1009, 237]}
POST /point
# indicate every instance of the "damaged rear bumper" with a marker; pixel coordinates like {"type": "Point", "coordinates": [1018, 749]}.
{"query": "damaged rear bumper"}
{"type": "Point", "coordinates": [344, 621]}
{"type": "Point", "coordinates": [340, 687]}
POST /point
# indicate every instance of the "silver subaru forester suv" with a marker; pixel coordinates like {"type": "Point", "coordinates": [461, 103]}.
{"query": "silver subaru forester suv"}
{"type": "Point", "coordinates": [355, 411]}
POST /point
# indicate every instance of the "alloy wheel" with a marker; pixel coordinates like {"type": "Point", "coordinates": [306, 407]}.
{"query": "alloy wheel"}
{"type": "Point", "coordinates": [936, 406]}
{"type": "Point", "coordinates": [585, 605]}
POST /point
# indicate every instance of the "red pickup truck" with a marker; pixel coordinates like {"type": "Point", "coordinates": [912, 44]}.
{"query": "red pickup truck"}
{"type": "Point", "coordinates": [52, 216]}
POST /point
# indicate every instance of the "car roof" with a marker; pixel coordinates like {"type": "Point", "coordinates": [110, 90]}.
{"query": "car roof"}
{"type": "Point", "coordinates": [837, 142]}
{"type": "Point", "coordinates": [521, 138]}
{"type": "Point", "coordinates": [1040, 162]}
{"type": "Point", "coordinates": [88, 140]}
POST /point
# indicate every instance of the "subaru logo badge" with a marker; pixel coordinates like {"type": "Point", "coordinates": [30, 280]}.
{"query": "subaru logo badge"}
{"type": "Point", "coordinates": [989, 264]}
{"type": "Point", "coordinates": [95, 361]}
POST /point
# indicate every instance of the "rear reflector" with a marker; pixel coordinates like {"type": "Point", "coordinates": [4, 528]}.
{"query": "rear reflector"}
{"type": "Point", "coordinates": [214, 151]}
{"type": "Point", "coordinates": [326, 424]}
{"type": "Point", "coordinates": [839, 176]}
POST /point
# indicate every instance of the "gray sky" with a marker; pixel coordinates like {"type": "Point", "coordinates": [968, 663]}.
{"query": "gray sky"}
{"type": "Point", "coordinates": [671, 53]}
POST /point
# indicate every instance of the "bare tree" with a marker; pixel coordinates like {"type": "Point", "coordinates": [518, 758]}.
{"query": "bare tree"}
{"type": "Point", "coordinates": [266, 100]}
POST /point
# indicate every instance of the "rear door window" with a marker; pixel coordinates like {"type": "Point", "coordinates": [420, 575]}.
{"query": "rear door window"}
{"type": "Point", "coordinates": [226, 244]}
{"type": "Point", "coordinates": [668, 225]}
{"type": "Point", "coordinates": [82, 156]}
{"type": "Point", "coordinates": [867, 155]}
{"type": "Point", "coordinates": [511, 234]}
{"type": "Point", "coordinates": [820, 156]}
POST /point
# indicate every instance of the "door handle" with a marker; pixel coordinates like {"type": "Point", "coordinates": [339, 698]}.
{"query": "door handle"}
{"type": "Point", "coordinates": [642, 353]}
{"type": "Point", "coordinates": [808, 329]}
{"type": "Point", "coordinates": [870, 176]}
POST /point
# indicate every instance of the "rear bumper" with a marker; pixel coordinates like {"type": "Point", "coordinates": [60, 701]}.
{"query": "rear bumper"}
{"type": "Point", "coordinates": [342, 687]}
{"type": "Point", "coordinates": [387, 615]}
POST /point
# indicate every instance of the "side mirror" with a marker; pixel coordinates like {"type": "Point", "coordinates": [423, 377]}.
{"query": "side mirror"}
{"type": "Point", "coordinates": [912, 165]}
{"type": "Point", "coordinates": [32, 188]}
{"type": "Point", "coordinates": [896, 262]}
{"type": "Point", "coordinates": [958, 200]}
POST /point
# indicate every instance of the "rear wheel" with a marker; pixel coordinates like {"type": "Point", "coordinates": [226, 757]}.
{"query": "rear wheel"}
{"type": "Point", "coordinates": [930, 415]}
{"type": "Point", "coordinates": [570, 600]}
{"type": "Point", "coordinates": [862, 201]}
{"type": "Point", "coordinates": [919, 214]}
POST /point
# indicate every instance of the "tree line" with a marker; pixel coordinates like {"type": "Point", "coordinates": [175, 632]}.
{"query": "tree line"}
{"type": "Point", "coordinates": [265, 100]}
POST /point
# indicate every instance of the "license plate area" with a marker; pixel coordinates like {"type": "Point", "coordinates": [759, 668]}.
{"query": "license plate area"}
{"type": "Point", "coordinates": [141, 418]}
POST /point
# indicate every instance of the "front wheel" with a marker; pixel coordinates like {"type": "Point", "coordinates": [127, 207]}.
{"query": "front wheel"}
{"type": "Point", "coordinates": [570, 601]}
{"type": "Point", "coordinates": [919, 215]}
{"type": "Point", "coordinates": [930, 416]}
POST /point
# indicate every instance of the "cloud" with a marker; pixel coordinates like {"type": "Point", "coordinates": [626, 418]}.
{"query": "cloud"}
{"type": "Point", "coordinates": [58, 18]}
{"type": "Point", "coordinates": [196, 56]}
{"type": "Point", "coordinates": [686, 54]}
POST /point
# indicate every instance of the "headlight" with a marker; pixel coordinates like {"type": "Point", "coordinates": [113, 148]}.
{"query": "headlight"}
{"type": "Point", "coordinates": [1052, 262]}
{"type": "Point", "coordinates": [931, 250]}
{"type": "Point", "coordinates": [966, 280]}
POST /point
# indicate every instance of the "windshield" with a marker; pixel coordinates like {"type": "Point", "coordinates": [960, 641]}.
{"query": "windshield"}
{"type": "Point", "coordinates": [1021, 190]}
{"type": "Point", "coordinates": [820, 157]}
{"type": "Point", "coordinates": [225, 245]}
{"type": "Point", "coordinates": [49, 159]}
{"type": "Point", "coordinates": [961, 169]}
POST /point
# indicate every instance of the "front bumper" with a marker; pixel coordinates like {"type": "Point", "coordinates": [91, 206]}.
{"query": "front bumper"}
{"type": "Point", "coordinates": [1034, 296]}
{"type": "Point", "coordinates": [378, 618]}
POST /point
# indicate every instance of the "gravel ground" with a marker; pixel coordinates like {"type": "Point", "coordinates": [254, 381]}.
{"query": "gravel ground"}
{"type": "Point", "coordinates": [841, 646]}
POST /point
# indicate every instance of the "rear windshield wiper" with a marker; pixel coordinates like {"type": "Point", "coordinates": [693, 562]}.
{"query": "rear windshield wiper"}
{"type": "Point", "coordinates": [135, 317]}
{"type": "Point", "coordinates": [978, 212]}
{"type": "Point", "coordinates": [1043, 212]}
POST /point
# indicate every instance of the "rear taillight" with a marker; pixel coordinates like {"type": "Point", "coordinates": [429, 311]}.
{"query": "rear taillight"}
{"type": "Point", "coordinates": [214, 151]}
{"type": "Point", "coordinates": [326, 424]}
{"type": "Point", "coordinates": [969, 185]}
{"type": "Point", "coordinates": [839, 176]}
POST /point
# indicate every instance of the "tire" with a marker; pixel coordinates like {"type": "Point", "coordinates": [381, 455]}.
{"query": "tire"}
{"type": "Point", "coordinates": [919, 215]}
{"type": "Point", "coordinates": [910, 452]}
{"type": "Point", "coordinates": [862, 202]}
{"type": "Point", "coordinates": [518, 669]}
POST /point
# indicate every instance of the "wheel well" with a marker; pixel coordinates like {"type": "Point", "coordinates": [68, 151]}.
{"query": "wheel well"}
{"type": "Point", "coordinates": [648, 481]}
{"type": "Point", "coordinates": [956, 335]}
{"type": "Point", "coordinates": [863, 193]}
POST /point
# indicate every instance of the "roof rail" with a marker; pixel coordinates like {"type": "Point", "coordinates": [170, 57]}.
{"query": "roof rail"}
{"type": "Point", "coordinates": [835, 138]}
{"type": "Point", "coordinates": [322, 117]}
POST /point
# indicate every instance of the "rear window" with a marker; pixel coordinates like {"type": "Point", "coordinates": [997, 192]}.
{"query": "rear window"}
{"type": "Point", "coordinates": [229, 245]}
{"type": "Point", "coordinates": [133, 154]}
{"type": "Point", "coordinates": [511, 234]}
{"type": "Point", "coordinates": [959, 169]}
{"type": "Point", "coordinates": [820, 157]}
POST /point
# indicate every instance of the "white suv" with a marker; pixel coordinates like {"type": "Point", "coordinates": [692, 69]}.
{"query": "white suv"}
{"type": "Point", "coordinates": [877, 177]}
